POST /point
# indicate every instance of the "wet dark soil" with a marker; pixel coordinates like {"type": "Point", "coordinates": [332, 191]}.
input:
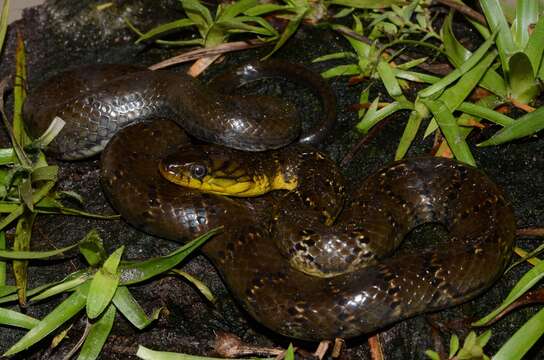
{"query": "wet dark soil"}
{"type": "Point", "coordinates": [66, 33]}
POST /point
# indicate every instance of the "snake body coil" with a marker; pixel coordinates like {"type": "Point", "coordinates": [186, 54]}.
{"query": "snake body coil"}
{"type": "Point", "coordinates": [316, 268]}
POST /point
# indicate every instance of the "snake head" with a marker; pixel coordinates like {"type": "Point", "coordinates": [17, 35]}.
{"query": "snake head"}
{"type": "Point", "coordinates": [222, 171]}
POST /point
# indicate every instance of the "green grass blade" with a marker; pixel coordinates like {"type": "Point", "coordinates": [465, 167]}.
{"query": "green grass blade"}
{"type": "Point", "coordinates": [204, 290]}
{"type": "Point", "coordinates": [486, 113]}
{"type": "Point", "coordinates": [535, 45]}
{"type": "Point", "coordinates": [460, 71]}
{"type": "Point", "coordinates": [148, 354]}
{"type": "Point", "coordinates": [97, 335]}
{"type": "Point", "coordinates": [451, 131]}
{"type": "Point", "coordinates": [104, 284]}
{"type": "Point", "coordinates": [523, 339]}
{"type": "Point", "coordinates": [165, 28]}
{"type": "Point", "coordinates": [365, 4]}
{"type": "Point", "coordinates": [454, 95]}
{"type": "Point", "coordinates": [335, 56]}
{"type": "Point", "coordinates": [64, 286]}
{"type": "Point", "coordinates": [523, 84]}
{"type": "Point", "coordinates": [2, 263]}
{"type": "Point", "coordinates": [14, 318]}
{"type": "Point", "coordinates": [62, 313]}
{"type": "Point", "coordinates": [199, 14]}
{"type": "Point", "coordinates": [290, 29]}
{"type": "Point", "coordinates": [526, 15]}
{"type": "Point", "coordinates": [236, 8]}
{"type": "Point", "coordinates": [19, 94]}
{"type": "Point", "coordinates": [4, 17]}
{"type": "Point", "coordinates": [417, 115]}
{"type": "Point", "coordinates": [266, 8]}
{"type": "Point", "coordinates": [129, 307]}
{"type": "Point", "coordinates": [30, 255]}
{"type": "Point", "coordinates": [341, 70]}
{"type": "Point", "coordinates": [526, 282]}
{"type": "Point", "coordinates": [371, 118]}
{"type": "Point", "coordinates": [390, 82]}
{"type": "Point", "coordinates": [526, 125]}
{"type": "Point", "coordinates": [457, 54]}
{"type": "Point", "coordinates": [497, 22]}
{"type": "Point", "coordinates": [23, 232]}
{"type": "Point", "coordinates": [415, 76]}
{"type": "Point", "coordinates": [136, 271]}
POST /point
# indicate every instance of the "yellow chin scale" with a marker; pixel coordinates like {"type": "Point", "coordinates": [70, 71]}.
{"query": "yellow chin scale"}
{"type": "Point", "coordinates": [241, 187]}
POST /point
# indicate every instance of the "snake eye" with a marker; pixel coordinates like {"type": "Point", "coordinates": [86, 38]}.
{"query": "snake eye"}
{"type": "Point", "coordinates": [198, 171]}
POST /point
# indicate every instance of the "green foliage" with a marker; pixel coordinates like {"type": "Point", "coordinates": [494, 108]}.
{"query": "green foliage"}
{"type": "Point", "coordinates": [98, 291]}
{"type": "Point", "coordinates": [472, 348]}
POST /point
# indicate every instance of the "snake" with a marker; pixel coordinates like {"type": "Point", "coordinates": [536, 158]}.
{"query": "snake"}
{"type": "Point", "coordinates": [300, 255]}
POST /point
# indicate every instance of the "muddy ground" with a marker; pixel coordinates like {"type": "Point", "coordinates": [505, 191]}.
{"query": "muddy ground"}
{"type": "Point", "coordinates": [63, 34]}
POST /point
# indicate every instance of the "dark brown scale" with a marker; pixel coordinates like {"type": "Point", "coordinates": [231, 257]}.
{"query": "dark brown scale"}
{"type": "Point", "coordinates": [360, 301]}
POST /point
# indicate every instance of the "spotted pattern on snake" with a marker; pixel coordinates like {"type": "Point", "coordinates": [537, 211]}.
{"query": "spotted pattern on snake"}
{"type": "Point", "coordinates": [307, 263]}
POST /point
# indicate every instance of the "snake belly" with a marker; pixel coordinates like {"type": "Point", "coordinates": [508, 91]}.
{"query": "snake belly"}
{"type": "Point", "coordinates": [349, 284]}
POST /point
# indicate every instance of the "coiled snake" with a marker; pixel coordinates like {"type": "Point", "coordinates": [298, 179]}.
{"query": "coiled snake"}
{"type": "Point", "coordinates": [308, 266]}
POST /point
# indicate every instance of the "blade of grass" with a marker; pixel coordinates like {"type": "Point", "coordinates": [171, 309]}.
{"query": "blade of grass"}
{"type": "Point", "coordinates": [498, 24]}
{"type": "Point", "coordinates": [535, 45]}
{"type": "Point", "coordinates": [19, 93]}
{"type": "Point", "coordinates": [451, 131]}
{"type": "Point", "coordinates": [14, 318]}
{"type": "Point", "coordinates": [417, 115]}
{"type": "Point", "coordinates": [21, 243]}
{"type": "Point", "coordinates": [372, 118]}
{"type": "Point", "coordinates": [62, 313]}
{"type": "Point", "coordinates": [4, 18]}
{"type": "Point", "coordinates": [2, 263]}
{"type": "Point", "coordinates": [30, 255]}
{"type": "Point", "coordinates": [523, 339]}
{"type": "Point", "coordinates": [290, 29]}
{"type": "Point", "coordinates": [137, 271]}
{"type": "Point", "coordinates": [527, 281]}
{"type": "Point", "coordinates": [460, 71]}
{"type": "Point", "coordinates": [129, 307]}
{"type": "Point", "coordinates": [104, 284]}
{"type": "Point", "coordinates": [204, 290]}
{"type": "Point", "coordinates": [526, 125]}
{"type": "Point", "coordinates": [97, 335]}
{"type": "Point", "coordinates": [148, 354]}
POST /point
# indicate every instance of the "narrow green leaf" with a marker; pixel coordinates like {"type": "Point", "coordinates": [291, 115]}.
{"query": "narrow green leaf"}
{"type": "Point", "coordinates": [23, 232]}
{"type": "Point", "coordinates": [433, 355]}
{"type": "Point", "coordinates": [483, 338]}
{"type": "Point", "coordinates": [45, 173]}
{"type": "Point", "coordinates": [341, 70]}
{"type": "Point", "coordinates": [265, 8]}
{"type": "Point", "coordinates": [199, 14]}
{"type": "Point", "coordinates": [92, 248]}
{"type": "Point", "coordinates": [97, 335]}
{"type": "Point", "coordinates": [454, 345]}
{"type": "Point", "coordinates": [457, 73]}
{"type": "Point", "coordinates": [527, 281]}
{"type": "Point", "coordinates": [4, 17]}
{"type": "Point", "coordinates": [451, 131]}
{"type": "Point", "coordinates": [535, 45]}
{"type": "Point", "coordinates": [29, 255]}
{"type": "Point", "coordinates": [415, 76]}
{"type": "Point", "coordinates": [290, 353]}
{"type": "Point", "coordinates": [2, 263]}
{"type": "Point", "coordinates": [148, 354]}
{"type": "Point", "coordinates": [104, 284]}
{"type": "Point", "coordinates": [456, 52]}
{"type": "Point", "coordinates": [523, 84]}
{"type": "Point", "coordinates": [371, 118]}
{"type": "Point", "coordinates": [62, 313]}
{"type": "Point", "coordinates": [129, 307]}
{"type": "Point", "coordinates": [526, 125]}
{"type": "Point", "coordinates": [204, 290]}
{"type": "Point", "coordinates": [63, 286]}
{"type": "Point", "coordinates": [417, 115]}
{"type": "Point", "coordinates": [290, 29]}
{"type": "Point", "coordinates": [527, 12]}
{"type": "Point", "coordinates": [14, 318]}
{"type": "Point", "coordinates": [6, 290]}
{"type": "Point", "coordinates": [165, 28]}
{"type": "Point", "coordinates": [390, 82]}
{"type": "Point", "coordinates": [335, 56]}
{"type": "Point", "coordinates": [486, 113]}
{"type": "Point", "coordinates": [498, 23]}
{"type": "Point", "coordinates": [19, 94]}
{"type": "Point", "coordinates": [523, 339]}
{"type": "Point", "coordinates": [136, 271]}
{"type": "Point", "coordinates": [365, 4]}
